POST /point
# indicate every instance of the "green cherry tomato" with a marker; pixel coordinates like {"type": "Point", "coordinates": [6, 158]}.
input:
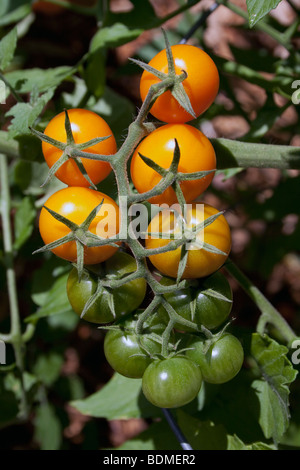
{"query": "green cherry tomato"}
{"type": "Point", "coordinates": [208, 303]}
{"type": "Point", "coordinates": [219, 363]}
{"type": "Point", "coordinates": [125, 354]}
{"type": "Point", "coordinates": [172, 382]}
{"type": "Point", "coordinates": [109, 305]}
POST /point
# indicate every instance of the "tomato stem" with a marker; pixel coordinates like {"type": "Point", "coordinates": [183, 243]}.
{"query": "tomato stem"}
{"type": "Point", "coordinates": [269, 313]}
{"type": "Point", "coordinates": [15, 336]}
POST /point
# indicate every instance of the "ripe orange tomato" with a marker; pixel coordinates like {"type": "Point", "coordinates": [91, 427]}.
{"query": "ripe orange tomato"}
{"type": "Point", "coordinates": [196, 154]}
{"type": "Point", "coordinates": [43, 6]}
{"type": "Point", "coordinates": [86, 125]}
{"type": "Point", "coordinates": [76, 203]}
{"type": "Point", "coordinates": [201, 84]}
{"type": "Point", "coordinates": [200, 263]}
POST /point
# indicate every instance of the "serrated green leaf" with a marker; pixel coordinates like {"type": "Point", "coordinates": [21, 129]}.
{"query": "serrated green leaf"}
{"type": "Point", "coordinates": [24, 222]}
{"type": "Point", "coordinates": [234, 443]}
{"type": "Point", "coordinates": [24, 81]}
{"type": "Point", "coordinates": [7, 48]}
{"type": "Point", "coordinates": [113, 36]}
{"type": "Point", "coordinates": [25, 114]}
{"type": "Point", "coordinates": [272, 389]}
{"type": "Point", "coordinates": [120, 398]}
{"type": "Point", "coordinates": [258, 9]}
{"type": "Point", "coordinates": [48, 429]}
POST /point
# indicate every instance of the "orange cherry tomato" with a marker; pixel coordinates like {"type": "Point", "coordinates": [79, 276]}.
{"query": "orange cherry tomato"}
{"type": "Point", "coordinates": [196, 154]}
{"type": "Point", "coordinates": [201, 84]}
{"type": "Point", "coordinates": [75, 204]}
{"type": "Point", "coordinates": [200, 263]}
{"type": "Point", "coordinates": [85, 125]}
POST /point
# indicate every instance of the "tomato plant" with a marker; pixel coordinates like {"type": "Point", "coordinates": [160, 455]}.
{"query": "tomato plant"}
{"type": "Point", "coordinates": [85, 125]}
{"type": "Point", "coordinates": [219, 361]}
{"type": "Point", "coordinates": [154, 303]}
{"type": "Point", "coordinates": [200, 262]}
{"type": "Point", "coordinates": [201, 84]}
{"type": "Point", "coordinates": [110, 304]}
{"type": "Point", "coordinates": [75, 204]}
{"type": "Point", "coordinates": [172, 382]}
{"type": "Point", "coordinates": [196, 154]}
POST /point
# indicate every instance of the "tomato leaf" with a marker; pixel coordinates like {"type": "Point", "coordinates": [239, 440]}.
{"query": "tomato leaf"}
{"type": "Point", "coordinates": [25, 114]}
{"type": "Point", "coordinates": [234, 443]}
{"type": "Point", "coordinates": [24, 222]}
{"type": "Point", "coordinates": [110, 404]}
{"type": "Point", "coordinates": [7, 48]}
{"type": "Point", "coordinates": [207, 435]}
{"type": "Point", "coordinates": [113, 36]}
{"type": "Point", "coordinates": [272, 390]}
{"type": "Point", "coordinates": [258, 9]}
{"type": "Point", "coordinates": [54, 302]}
{"type": "Point", "coordinates": [48, 429]}
{"type": "Point", "coordinates": [12, 11]}
{"type": "Point", "coordinates": [47, 367]}
{"type": "Point", "coordinates": [24, 81]}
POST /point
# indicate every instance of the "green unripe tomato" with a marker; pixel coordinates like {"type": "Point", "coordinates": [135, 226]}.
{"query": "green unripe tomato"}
{"type": "Point", "coordinates": [209, 303]}
{"type": "Point", "coordinates": [110, 305]}
{"type": "Point", "coordinates": [172, 382]}
{"type": "Point", "coordinates": [221, 362]}
{"type": "Point", "coordinates": [125, 354]}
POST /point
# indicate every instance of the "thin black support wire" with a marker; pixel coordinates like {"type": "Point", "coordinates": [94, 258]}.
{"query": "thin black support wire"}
{"type": "Point", "coordinates": [176, 430]}
{"type": "Point", "coordinates": [205, 14]}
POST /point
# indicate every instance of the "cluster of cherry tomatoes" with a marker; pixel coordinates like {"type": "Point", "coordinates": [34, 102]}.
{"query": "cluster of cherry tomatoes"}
{"type": "Point", "coordinates": [207, 352]}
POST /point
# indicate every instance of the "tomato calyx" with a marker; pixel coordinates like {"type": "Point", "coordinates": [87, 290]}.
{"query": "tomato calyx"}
{"type": "Point", "coordinates": [170, 177]}
{"type": "Point", "coordinates": [169, 81]}
{"type": "Point", "coordinates": [190, 238]}
{"type": "Point", "coordinates": [106, 283]}
{"type": "Point", "coordinates": [211, 338]}
{"type": "Point", "coordinates": [80, 234]}
{"type": "Point", "coordinates": [71, 150]}
{"type": "Point", "coordinates": [149, 339]}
